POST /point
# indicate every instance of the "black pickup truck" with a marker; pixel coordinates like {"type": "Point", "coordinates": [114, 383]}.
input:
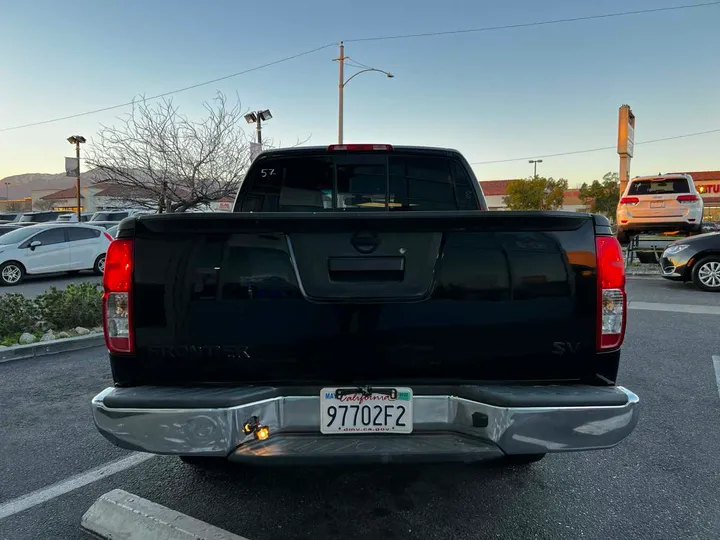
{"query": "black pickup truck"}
{"type": "Point", "coordinates": [361, 304]}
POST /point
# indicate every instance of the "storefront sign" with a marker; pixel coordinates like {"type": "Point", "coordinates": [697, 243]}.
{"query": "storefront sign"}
{"type": "Point", "coordinates": [626, 132]}
{"type": "Point", "coordinates": [708, 190]}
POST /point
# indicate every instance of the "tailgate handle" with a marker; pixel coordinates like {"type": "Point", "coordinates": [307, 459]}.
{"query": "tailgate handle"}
{"type": "Point", "coordinates": [366, 268]}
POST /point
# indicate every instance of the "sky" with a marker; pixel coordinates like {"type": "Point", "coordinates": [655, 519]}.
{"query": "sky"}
{"type": "Point", "coordinates": [509, 94]}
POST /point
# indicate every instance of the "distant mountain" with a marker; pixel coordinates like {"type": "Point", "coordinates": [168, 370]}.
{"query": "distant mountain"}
{"type": "Point", "coordinates": [22, 184]}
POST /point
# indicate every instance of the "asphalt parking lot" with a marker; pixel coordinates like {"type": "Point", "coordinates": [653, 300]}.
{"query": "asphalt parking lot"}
{"type": "Point", "coordinates": [662, 483]}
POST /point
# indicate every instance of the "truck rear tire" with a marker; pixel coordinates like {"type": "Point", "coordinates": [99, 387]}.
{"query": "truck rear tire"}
{"type": "Point", "coordinates": [623, 237]}
{"type": "Point", "coordinates": [204, 462]}
{"type": "Point", "coordinates": [520, 459]}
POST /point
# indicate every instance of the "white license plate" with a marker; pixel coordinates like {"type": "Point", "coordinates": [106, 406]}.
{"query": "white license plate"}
{"type": "Point", "coordinates": [657, 205]}
{"type": "Point", "coordinates": [386, 410]}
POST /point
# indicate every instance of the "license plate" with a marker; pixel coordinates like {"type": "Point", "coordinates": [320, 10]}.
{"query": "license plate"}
{"type": "Point", "coordinates": [657, 205]}
{"type": "Point", "coordinates": [385, 410]}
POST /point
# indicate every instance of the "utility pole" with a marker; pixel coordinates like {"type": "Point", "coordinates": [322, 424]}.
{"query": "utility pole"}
{"type": "Point", "coordinates": [341, 91]}
{"type": "Point", "coordinates": [342, 83]}
{"type": "Point", "coordinates": [534, 163]}
{"type": "Point", "coordinates": [77, 181]}
{"type": "Point", "coordinates": [77, 140]}
{"type": "Point", "coordinates": [7, 192]}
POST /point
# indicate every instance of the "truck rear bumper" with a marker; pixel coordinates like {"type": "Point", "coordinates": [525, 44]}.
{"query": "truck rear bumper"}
{"type": "Point", "coordinates": [467, 423]}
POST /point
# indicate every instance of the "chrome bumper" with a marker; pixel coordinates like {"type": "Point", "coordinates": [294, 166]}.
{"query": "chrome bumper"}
{"type": "Point", "coordinates": [446, 427]}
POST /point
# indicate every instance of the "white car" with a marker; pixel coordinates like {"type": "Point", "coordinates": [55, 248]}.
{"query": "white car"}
{"type": "Point", "coordinates": [72, 218]}
{"type": "Point", "coordinates": [50, 248]}
{"type": "Point", "coordinates": [118, 214]}
{"type": "Point", "coordinates": [659, 203]}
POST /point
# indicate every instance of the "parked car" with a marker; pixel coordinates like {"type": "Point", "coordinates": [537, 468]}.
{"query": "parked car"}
{"type": "Point", "coordinates": [710, 227]}
{"type": "Point", "coordinates": [117, 215]}
{"type": "Point", "coordinates": [7, 227]}
{"type": "Point", "coordinates": [696, 259]}
{"type": "Point", "coordinates": [112, 231]}
{"type": "Point", "coordinates": [50, 248]}
{"type": "Point", "coordinates": [31, 218]}
{"type": "Point", "coordinates": [659, 203]}
{"type": "Point", "coordinates": [367, 309]}
{"type": "Point", "coordinates": [104, 224]}
{"type": "Point", "coordinates": [72, 218]}
{"type": "Point", "coordinates": [9, 217]}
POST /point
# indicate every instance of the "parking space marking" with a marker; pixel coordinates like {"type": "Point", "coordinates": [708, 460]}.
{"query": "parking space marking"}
{"type": "Point", "coordinates": [74, 482]}
{"type": "Point", "coordinates": [676, 308]}
{"type": "Point", "coordinates": [716, 363]}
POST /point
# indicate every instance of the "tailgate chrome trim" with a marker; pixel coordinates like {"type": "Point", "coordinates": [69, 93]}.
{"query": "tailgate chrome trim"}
{"type": "Point", "coordinates": [218, 431]}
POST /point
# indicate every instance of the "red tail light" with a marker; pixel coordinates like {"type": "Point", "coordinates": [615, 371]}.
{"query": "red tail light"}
{"type": "Point", "coordinates": [117, 300]}
{"type": "Point", "coordinates": [612, 299]}
{"type": "Point", "coordinates": [629, 200]}
{"type": "Point", "coordinates": [688, 198]}
{"type": "Point", "coordinates": [358, 147]}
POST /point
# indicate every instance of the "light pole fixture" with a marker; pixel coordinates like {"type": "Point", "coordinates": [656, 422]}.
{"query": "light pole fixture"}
{"type": "Point", "coordinates": [257, 118]}
{"type": "Point", "coordinates": [534, 163]}
{"type": "Point", "coordinates": [77, 140]}
{"type": "Point", "coordinates": [342, 83]}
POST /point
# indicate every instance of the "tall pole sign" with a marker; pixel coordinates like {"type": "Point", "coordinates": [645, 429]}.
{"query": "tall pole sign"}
{"type": "Point", "coordinates": [626, 143]}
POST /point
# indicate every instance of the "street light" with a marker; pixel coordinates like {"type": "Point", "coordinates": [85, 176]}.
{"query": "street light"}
{"type": "Point", "coordinates": [77, 140]}
{"type": "Point", "coordinates": [534, 162]}
{"type": "Point", "coordinates": [257, 117]}
{"type": "Point", "coordinates": [342, 83]}
{"type": "Point", "coordinates": [7, 191]}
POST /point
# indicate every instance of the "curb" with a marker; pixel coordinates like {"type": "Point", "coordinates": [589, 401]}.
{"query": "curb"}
{"type": "Point", "coordinates": [43, 348]}
{"type": "Point", "coordinates": [119, 514]}
{"type": "Point", "coordinates": [642, 273]}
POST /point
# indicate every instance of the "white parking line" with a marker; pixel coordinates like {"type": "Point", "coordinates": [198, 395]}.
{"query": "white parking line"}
{"type": "Point", "coordinates": [676, 308]}
{"type": "Point", "coordinates": [74, 482]}
{"type": "Point", "coordinates": [716, 363]}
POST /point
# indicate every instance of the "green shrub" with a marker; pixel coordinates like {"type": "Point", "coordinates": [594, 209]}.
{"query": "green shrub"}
{"type": "Point", "coordinates": [80, 304]}
{"type": "Point", "coordinates": [17, 315]}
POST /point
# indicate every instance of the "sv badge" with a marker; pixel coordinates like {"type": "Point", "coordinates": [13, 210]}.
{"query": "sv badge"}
{"type": "Point", "coordinates": [561, 348]}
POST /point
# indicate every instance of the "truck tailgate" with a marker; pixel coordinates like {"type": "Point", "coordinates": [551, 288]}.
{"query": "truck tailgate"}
{"type": "Point", "coordinates": [362, 297]}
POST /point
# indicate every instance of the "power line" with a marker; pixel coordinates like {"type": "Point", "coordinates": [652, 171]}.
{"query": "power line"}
{"type": "Point", "coordinates": [536, 23]}
{"type": "Point", "coordinates": [696, 134]}
{"type": "Point", "coordinates": [405, 36]}
{"type": "Point", "coordinates": [171, 92]}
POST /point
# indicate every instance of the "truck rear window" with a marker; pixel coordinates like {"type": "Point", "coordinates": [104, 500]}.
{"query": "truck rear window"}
{"type": "Point", "coordinates": [358, 182]}
{"type": "Point", "coordinates": [659, 186]}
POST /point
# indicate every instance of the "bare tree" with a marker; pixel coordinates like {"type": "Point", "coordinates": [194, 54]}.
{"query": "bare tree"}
{"type": "Point", "coordinates": [160, 158]}
{"type": "Point", "coordinates": [42, 205]}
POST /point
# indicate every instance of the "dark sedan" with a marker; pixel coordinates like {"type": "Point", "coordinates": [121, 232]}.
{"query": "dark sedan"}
{"type": "Point", "coordinates": [695, 259]}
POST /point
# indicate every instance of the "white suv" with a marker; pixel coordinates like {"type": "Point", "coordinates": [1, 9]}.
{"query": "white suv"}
{"type": "Point", "coordinates": [659, 203]}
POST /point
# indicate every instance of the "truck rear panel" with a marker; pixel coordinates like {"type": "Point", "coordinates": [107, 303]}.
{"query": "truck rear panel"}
{"type": "Point", "coordinates": [363, 297]}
